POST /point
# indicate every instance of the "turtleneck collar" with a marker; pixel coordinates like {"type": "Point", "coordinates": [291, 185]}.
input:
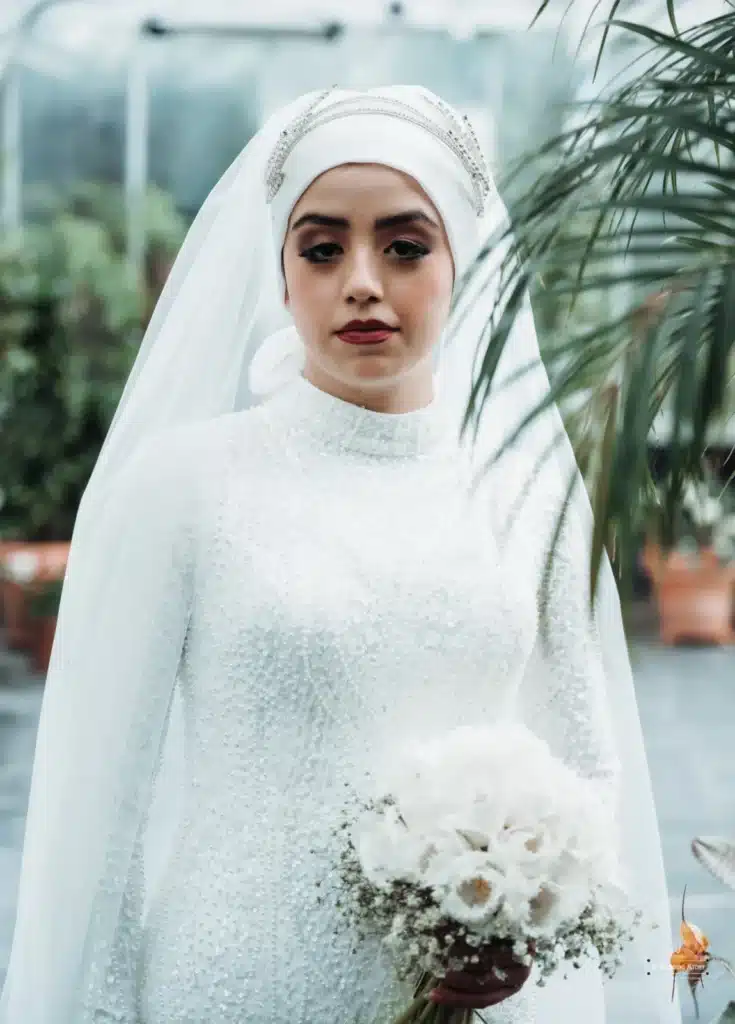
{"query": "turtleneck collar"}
{"type": "Point", "coordinates": [332, 424]}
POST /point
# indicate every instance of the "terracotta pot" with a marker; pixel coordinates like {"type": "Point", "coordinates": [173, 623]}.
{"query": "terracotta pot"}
{"type": "Point", "coordinates": [7, 547]}
{"type": "Point", "coordinates": [708, 557]}
{"type": "Point", "coordinates": [695, 602]}
{"type": "Point", "coordinates": [51, 559]}
{"type": "Point", "coordinates": [44, 630]}
{"type": "Point", "coordinates": [656, 562]}
{"type": "Point", "coordinates": [651, 559]}
{"type": "Point", "coordinates": [18, 631]}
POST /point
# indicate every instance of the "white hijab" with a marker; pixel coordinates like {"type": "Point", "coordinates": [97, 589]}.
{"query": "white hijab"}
{"type": "Point", "coordinates": [375, 138]}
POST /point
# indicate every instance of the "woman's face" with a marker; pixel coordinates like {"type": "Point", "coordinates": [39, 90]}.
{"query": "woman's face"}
{"type": "Point", "coordinates": [365, 243]}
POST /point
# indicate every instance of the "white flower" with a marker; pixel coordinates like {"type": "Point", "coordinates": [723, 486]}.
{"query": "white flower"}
{"type": "Point", "coordinates": [535, 850]}
{"type": "Point", "coordinates": [470, 889]}
{"type": "Point", "coordinates": [509, 839]}
{"type": "Point", "coordinates": [435, 776]}
{"type": "Point", "coordinates": [556, 905]}
{"type": "Point", "coordinates": [22, 566]}
{"type": "Point", "coordinates": [386, 849]}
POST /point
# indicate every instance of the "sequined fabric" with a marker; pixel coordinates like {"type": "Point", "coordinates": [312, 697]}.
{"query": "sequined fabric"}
{"type": "Point", "coordinates": [346, 595]}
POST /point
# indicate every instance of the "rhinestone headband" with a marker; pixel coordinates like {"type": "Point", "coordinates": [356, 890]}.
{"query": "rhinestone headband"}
{"type": "Point", "coordinates": [457, 134]}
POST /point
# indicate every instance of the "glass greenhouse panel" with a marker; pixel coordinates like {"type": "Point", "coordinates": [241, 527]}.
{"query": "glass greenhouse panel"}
{"type": "Point", "coordinates": [176, 90]}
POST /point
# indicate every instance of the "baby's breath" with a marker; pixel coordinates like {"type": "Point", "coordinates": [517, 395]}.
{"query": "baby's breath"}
{"type": "Point", "coordinates": [520, 894]}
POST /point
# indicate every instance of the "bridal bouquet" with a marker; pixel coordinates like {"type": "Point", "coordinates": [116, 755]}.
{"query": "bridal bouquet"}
{"type": "Point", "coordinates": [482, 835]}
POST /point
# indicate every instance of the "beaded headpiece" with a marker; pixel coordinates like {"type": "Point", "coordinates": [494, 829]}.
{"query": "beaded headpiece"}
{"type": "Point", "coordinates": [455, 132]}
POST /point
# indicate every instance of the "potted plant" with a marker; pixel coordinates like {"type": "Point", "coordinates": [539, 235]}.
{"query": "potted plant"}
{"type": "Point", "coordinates": [71, 319]}
{"type": "Point", "coordinates": [43, 608]}
{"type": "Point", "coordinates": [18, 569]}
{"type": "Point", "coordinates": [691, 566]}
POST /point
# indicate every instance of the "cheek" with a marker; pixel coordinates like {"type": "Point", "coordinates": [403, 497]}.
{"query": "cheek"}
{"type": "Point", "coordinates": [426, 297]}
{"type": "Point", "coordinates": [308, 292]}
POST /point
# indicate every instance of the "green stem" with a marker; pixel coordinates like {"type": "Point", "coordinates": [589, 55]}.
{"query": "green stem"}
{"type": "Point", "coordinates": [419, 1003]}
{"type": "Point", "coordinates": [425, 983]}
{"type": "Point", "coordinates": [459, 1016]}
{"type": "Point", "coordinates": [428, 1014]}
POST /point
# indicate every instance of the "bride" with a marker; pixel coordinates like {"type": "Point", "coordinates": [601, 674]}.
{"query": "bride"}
{"type": "Point", "coordinates": [261, 603]}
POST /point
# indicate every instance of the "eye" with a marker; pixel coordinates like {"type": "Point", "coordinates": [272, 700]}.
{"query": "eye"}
{"type": "Point", "coordinates": [321, 253]}
{"type": "Point", "coordinates": [407, 251]}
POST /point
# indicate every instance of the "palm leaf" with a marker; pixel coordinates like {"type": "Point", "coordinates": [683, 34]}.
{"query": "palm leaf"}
{"type": "Point", "coordinates": [717, 855]}
{"type": "Point", "coordinates": [600, 539]}
{"type": "Point", "coordinates": [650, 172]}
{"type": "Point", "coordinates": [676, 44]}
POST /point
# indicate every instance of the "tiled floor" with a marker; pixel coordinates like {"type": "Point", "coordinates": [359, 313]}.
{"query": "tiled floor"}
{"type": "Point", "coordinates": [687, 703]}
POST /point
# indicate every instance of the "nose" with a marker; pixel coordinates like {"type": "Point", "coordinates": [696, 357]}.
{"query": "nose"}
{"type": "Point", "coordinates": [362, 282]}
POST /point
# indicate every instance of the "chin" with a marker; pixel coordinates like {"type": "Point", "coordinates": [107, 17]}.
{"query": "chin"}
{"type": "Point", "coordinates": [373, 376]}
{"type": "Point", "coordinates": [366, 369]}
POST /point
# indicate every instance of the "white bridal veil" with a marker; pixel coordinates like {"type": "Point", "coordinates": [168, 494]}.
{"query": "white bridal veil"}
{"type": "Point", "coordinates": [109, 755]}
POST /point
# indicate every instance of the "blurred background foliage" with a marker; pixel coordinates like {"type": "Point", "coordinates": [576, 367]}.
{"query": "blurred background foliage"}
{"type": "Point", "coordinates": [72, 313]}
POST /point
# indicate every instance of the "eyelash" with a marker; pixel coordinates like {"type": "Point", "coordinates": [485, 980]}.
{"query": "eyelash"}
{"type": "Point", "coordinates": [418, 251]}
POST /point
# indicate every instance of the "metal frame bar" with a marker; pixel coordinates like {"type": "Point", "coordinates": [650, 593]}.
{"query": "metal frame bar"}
{"type": "Point", "coordinates": [137, 105]}
{"type": "Point", "coordinates": [137, 116]}
{"type": "Point", "coordinates": [11, 214]}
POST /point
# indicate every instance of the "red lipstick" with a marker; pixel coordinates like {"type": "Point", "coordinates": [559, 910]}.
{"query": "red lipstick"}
{"type": "Point", "coordinates": [365, 332]}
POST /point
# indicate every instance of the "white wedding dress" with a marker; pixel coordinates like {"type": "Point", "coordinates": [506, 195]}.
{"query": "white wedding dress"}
{"type": "Point", "coordinates": [345, 595]}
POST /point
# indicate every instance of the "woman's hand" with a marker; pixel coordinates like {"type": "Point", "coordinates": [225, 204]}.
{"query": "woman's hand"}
{"type": "Point", "coordinates": [478, 986]}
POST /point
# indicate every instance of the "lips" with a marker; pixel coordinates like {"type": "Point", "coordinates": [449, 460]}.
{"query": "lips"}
{"type": "Point", "coordinates": [368, 332]}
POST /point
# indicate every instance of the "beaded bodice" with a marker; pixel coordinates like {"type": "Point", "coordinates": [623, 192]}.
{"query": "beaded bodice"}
{"type": "Point", "coordinates": [346, 593]}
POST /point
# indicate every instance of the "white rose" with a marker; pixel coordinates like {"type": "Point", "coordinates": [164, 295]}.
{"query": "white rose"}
{"type": "Point", "coordinates": [477, 824]}
{"type": "Point", "coordinates": [386, 849]}
{"type": "Point", "coordinates": [470, 889]}
{"type": "Point", "coordinates": [535, 850]}
{"type": "Point", "coordinates": [465, 763]}
{"type": "Point", "coordinates": [556, 903]}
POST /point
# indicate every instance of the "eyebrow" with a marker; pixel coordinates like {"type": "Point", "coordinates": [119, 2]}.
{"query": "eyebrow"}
{"type": "Point", "coordinates": [395, 221]}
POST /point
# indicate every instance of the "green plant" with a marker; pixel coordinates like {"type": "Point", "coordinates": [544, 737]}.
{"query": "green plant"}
{"type": "Point", "coordinates": [662, 240]}
{"type": "Point", "coordinates": [705, 518]}
{"type": "Point", "coordinates": [44, 600]}
{"type": "Point", "coordinates": [71, 318]}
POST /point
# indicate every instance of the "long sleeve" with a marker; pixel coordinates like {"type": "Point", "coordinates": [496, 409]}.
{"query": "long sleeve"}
{"type": "Point", "coordinates": [116, 998]}
{"type": "Point", "coordinates": [563, 695]}
{"type": "Point", "coordinates": [578, 693]}
{"type": "Point", "coordinates": [119, 999]}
